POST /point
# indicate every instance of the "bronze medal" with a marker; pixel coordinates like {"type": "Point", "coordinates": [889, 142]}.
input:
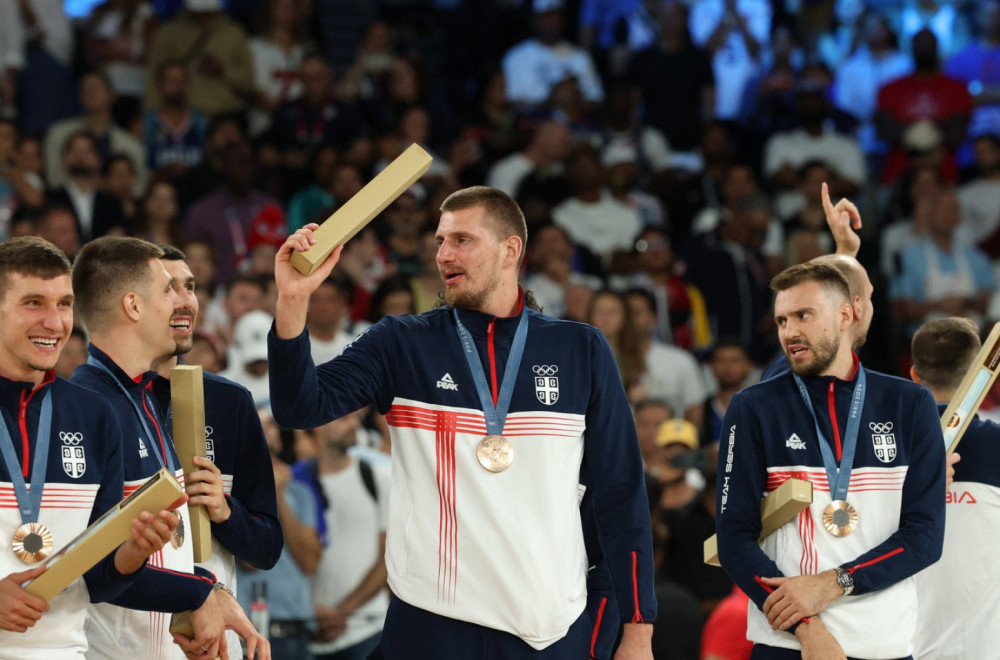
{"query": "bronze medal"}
{"type": "Point", "coordinates": [32, 543]}
{"type": "Point", "coordinates": [495, 453]}
{"type": "Point", "coordinates": [840, 518]}
{"type": "Point", "coordinates": [177, 540]}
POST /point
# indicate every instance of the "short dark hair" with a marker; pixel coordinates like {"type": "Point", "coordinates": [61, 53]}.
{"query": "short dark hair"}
{"type": "Point", "coordinates": [826, 275]}
{"type": "Point", "coordinates": [170, 253]}
{"type": "Point", "coordinates": [31, 256]}
{"type": "Point", "coordinates": [504, 215]}
{"type": "Point", "coordinates": [106, 269]}
{"type": "Point", "coordinates": [942, 351]}
{"type": "Point", "coordinates": [245, 278]}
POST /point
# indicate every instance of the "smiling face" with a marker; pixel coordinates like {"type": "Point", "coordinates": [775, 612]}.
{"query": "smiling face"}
{"type": "Point", "coordinates": [470, 258]}
{"type": "Point", "coordinates": [36, 318]}
{"type": "Point", "coordinates": [184, 318]}
{"type": "Point", "coordinates": [160, 304]}
{"type": "Point", "coordinates": [810, 327]}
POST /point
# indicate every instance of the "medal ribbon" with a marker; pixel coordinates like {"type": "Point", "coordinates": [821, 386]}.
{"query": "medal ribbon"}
{"type": "Point", "coordinates": [495, 416]}
{"type": "Point", "coordinates": [839, 478]}
{"type": "Point", "coordinates": [153, 441]}
{"type": "Point", "coordinates": [29, 504]}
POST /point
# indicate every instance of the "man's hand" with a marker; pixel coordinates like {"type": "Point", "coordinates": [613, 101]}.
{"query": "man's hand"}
{"type": "Point", "coordinates": [795, 598]}
{"type": "Point", "coordinates": [950, 472]}
{"type": "Point", "coordinates": [19, 610]}
{"type": "Point", "coordinates": [204, 487]}
{"type": "Point", "coordinates": [209, 640]}
{"type": "Point", "coordinates": [149, 534]}
{"type": "Point", "coordinates": [636, 642]}
{"type": "Point", "coordinates": [294, 288]}
{"type": "Point", "coordinates": [843, 219]}
{"type": "Point", "coordinates": [331, 621]}
{"type": "Point", "coordinates": [817, 642]}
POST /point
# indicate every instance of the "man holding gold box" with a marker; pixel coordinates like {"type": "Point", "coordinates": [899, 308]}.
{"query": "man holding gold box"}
{"type": "Point", "coordinates": [235, 482]}
{"type": "Point", "coordinates": [838, 582]}
{"type": "Point", "coordinates": [484, 542]}
{"type": "Point", "coordinates": [127, 299]}
{"type": "Point", "coordinates": [64, 442]}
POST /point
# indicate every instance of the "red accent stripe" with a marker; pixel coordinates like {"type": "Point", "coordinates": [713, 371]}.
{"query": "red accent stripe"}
{"type": "Point", "coordinates": [762, 585]}
{"type": "Point", "coordinates": [447, 519]}
{"type": "Point", "coordinates": [597, 628]}
{"type": "Point", "coordinates": [637, 617]}
{"type": "Point", "coordinates": [493, 359]}
{"type": "Point", "coordinates": [876, 560]}
{"type": "Point", "coordinates": [156, 425]}
{"type": "Point", "coordinates": [183, 575]}
{"type": "Point", "coordinates": [833, 420]}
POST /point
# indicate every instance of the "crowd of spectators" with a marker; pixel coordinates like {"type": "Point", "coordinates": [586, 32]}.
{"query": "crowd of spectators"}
{"type": "Point", "coordinates": [668, 157]}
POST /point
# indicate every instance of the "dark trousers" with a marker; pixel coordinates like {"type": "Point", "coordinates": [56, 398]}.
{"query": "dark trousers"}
{"type": "Point", "coordinates": [761, 652]}
{"type": "Point", "coordinates": [411, 633]}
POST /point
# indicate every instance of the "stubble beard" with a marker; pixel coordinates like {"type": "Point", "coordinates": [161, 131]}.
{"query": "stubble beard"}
{"type": "Point", "coordinates": [824, 354]}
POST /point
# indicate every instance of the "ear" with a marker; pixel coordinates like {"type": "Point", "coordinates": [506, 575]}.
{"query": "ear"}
{"type": "Point", "coordinates": [915, 377]}
{"type": "Point", "coordinates": [846, 315]}
{"type": "Point", "coordinates": [131, 306]}
{"type": "Point", "coordinates": [856, 305]}
{"type": "Point", "coordinates": [513, 248]}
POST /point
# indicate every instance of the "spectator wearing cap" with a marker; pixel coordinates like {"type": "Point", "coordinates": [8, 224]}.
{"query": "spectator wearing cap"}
{"type": "Point", "coordinates": [687, 507]}
{"type": "Point", "coordinates": [248, 355]}
{"type": "Point", "coordinates": [925, 94]}
{"type": "Point", "coordinates": [534, 66]}
{"type": "Point", "coordinates": [621, 161]}
{"type": "Point", "coordinates": [267, 232]}
{"type": "Point", "coordinates": [223, 218]}
{"type": "Point", "coordinates": [216, 53]}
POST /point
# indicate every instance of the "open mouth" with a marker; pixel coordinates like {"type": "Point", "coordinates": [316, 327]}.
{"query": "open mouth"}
{"type": "Point", "coordinates": [452, 277]}
{"type": "Point", "coordinates": [798, 350]}
{"type": "Point", "coordinates": [45, 343]}
{"type": "Point", "coordinates": [182, 323]}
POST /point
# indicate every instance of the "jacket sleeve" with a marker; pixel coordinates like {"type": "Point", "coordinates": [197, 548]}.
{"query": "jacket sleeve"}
{"type": "Point", "coordinates": [612, 469]}
{"type": "Point", "coordinates": [103, 580]}
{"type": "Point", "coordinates": [304, 396]}
{"type": "Point", "coordinates": [252, 532]}
{"type": "Point", "coordinates": [741, 478]}
{"type": "Point", "coordinates": [158, 589]}
{"type": "Point", "coordinates": [918, 541]}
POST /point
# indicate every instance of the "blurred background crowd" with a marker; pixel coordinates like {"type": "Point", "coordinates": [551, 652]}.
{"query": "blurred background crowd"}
{"type": "Point", "coordinates": [668, 157]}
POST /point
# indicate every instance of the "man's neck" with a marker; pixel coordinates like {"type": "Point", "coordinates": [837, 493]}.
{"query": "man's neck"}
{"type": "Point", "coordinates": [163, 366]}
{"type": "Point", "coordinates": [843, 365]}
{"type": "Point", "coordinates": [941, 395]}
{"type": "Point", "coordinates": [83, 184]}
{"type": "Point", "coordinates": [725, 395]}
{"type": "Point", "coordinates": [504, 301]}
{"type": "Point", "coordinates": [129, 352]}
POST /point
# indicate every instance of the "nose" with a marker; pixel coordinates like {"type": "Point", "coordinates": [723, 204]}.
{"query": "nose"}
{"type": "Point", "coordinates": [444, 253]}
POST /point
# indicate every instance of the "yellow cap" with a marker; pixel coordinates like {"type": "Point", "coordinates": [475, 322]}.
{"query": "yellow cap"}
{"type": "Point", "coordinates": [677, 431]}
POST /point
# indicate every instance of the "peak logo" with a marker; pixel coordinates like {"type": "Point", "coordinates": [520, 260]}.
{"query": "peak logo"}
{"type": "Point", "coordinates": [446, 383]}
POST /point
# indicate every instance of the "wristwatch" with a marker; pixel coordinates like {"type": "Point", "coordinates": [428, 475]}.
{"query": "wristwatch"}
{"type": "Point", "coordinates": [845, 580]}
{"type": "Point", "coordinates": [218, 586]}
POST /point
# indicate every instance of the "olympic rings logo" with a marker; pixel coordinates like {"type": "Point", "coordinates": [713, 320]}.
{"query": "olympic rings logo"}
{"type": "Point", "coordinates": [880, 427]}
{"type": "Point", "coordinates": [71, 438]}
{"type": "Point", "coordinates": [545, 369]}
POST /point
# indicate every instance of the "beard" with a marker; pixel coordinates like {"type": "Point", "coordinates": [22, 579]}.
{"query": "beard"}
{"type": "Point", "coordinates": [465, 299]}
{"type": "Point", "coordinates": [824, 354]}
